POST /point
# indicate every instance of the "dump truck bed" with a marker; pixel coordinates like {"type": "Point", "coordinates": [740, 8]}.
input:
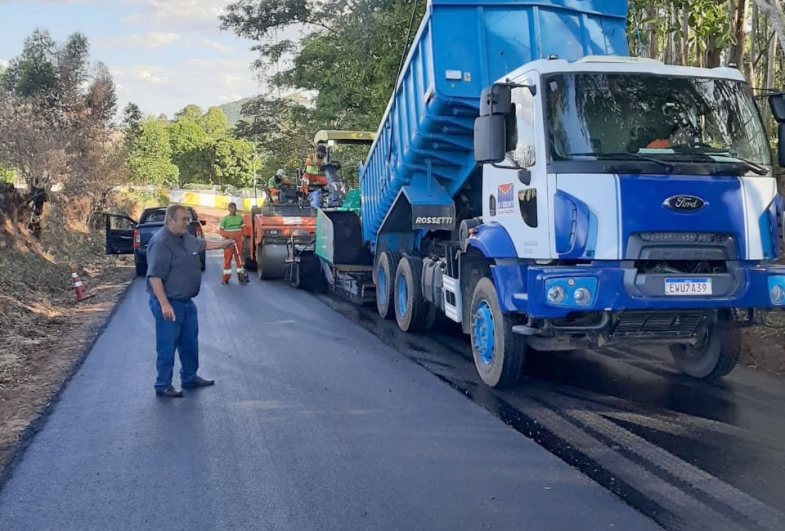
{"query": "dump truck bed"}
{"type": "Point", "coordinates": [423, 147]}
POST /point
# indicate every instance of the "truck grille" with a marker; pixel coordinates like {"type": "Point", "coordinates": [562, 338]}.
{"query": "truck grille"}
{"type": "Point", "coordinates": [683, 237]}
{"type": "Point", "coordinates": [659, 324]}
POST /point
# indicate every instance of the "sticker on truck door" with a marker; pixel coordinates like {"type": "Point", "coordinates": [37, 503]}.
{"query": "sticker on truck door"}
{"type": "Point", "coordinates": [505, 199]}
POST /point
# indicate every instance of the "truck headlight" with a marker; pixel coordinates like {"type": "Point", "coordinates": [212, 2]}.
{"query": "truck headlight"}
{"type": "Point", "coordinates": [582, 296]}
{"type": "Point", "coordinates": [576, 292]}
{"type": "Point", "coordinates": [777, 290]}
{"type": "Point", "coordinates": [556, 294]}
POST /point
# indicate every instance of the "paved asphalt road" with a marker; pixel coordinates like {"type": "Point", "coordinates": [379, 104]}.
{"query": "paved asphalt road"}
{"type": "Point", "coordinates": [314, 424]}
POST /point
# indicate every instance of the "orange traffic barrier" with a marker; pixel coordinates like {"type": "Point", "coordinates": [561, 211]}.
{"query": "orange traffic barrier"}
{"type": "Point", "coordinates": [81, 292]}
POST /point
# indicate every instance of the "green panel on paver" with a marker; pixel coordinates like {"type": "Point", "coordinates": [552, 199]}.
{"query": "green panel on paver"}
{"type": "Point", "coordinates": [324, 237]}
{"type": "Point", "coordinates": [325, 230]}
{"type": "Point", "coordinates": [352, 201]}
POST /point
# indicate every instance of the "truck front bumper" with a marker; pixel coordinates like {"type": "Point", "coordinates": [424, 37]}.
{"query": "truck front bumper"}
{"type": "Point", "coordinates": [556, 292]}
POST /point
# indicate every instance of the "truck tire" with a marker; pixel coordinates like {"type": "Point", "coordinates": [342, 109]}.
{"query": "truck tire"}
{"type": "Point", "coordinates": [384, 278]}
{"type": "Point", "coordinates": [714, 358]}
{"type": "Point", "coordinates": [498, 352]}
{"type": "Point", "coordinates": [203, 259]}
{"type": "Point", "coordinates": [412, 311]}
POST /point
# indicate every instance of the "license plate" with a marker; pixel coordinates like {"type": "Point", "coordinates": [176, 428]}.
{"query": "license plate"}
{"type": "Point", "coordinates": [687, 286]}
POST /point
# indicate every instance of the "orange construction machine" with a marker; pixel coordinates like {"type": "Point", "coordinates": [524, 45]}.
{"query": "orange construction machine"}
{"type": "Point", "coordinates": [269, 228]}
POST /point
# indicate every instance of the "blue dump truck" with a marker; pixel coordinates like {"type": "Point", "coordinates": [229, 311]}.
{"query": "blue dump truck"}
{"type": "Point", "coordinates": [532, 182]}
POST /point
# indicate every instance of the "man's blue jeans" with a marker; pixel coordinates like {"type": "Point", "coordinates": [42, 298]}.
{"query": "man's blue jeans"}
{"type": "Point", "coordinates": [182, 335]}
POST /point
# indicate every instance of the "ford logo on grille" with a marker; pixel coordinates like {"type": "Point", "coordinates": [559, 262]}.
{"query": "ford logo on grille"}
{"type": "Point", "coordinates": [685, 203]}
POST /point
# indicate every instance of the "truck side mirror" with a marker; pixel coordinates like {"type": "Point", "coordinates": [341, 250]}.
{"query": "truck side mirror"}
{"type": "Point", "coordinates": [490, 138]}
{"type": "Point", "coordinates": [777, 104]}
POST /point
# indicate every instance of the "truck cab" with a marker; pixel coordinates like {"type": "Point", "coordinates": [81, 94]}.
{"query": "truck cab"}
{"type": "Point", "coordinates": [630, 201]}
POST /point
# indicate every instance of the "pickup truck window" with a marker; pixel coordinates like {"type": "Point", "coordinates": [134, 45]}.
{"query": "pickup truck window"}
{"type": "Point", "coordinates": [690, 125]}
{"type": "Point", "coordinates": [157, 216]}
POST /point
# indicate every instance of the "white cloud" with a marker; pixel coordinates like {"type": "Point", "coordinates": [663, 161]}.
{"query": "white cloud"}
{"type": "Point", "coordinates": [207, 43]}
{"type": "Point", "coordinates": [159, 89]}
{"type": "Point", "coordinates": [3, 63]}
{"type": "Point", "coordinates": [183, 14]}
{"type": "Point", "coordinates": [144, 40]}
{"type": "Point", "coordinates": [147, 74]}
{"type": "Point", "coordinates": [151, 78]}
{"type": "Point", "coordinates": [230, 81]}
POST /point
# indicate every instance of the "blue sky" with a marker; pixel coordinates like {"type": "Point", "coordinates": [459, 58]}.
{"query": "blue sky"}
{"type": "Point", "coordinates": [163, 54]}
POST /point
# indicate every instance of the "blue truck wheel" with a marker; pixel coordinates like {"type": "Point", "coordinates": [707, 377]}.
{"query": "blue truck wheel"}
{"type": "Point", "coordinates": [498, 352]}
{"type": "Point", "coordinates": [713, 358]}
{"type": "Point", "coordinates": [384, 277]}
{"type": "Point", "coordinates": [411, 310]}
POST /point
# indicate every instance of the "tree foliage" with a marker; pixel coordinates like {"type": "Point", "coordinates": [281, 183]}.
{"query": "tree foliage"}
{"type": "Point", "coordinates": [350, 59]}
{"type": "Point", "coordinates": [55, 108]}
{"type": "Point", "coordinates": [150, 155]}
{"type": "Point", "coordinates": [193, 148]}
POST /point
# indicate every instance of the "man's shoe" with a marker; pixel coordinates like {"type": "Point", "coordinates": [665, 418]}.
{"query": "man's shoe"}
{"type": "Point", "coordinates": [198, 382]}
{"type": "Point", "coordinates": [169, 392]}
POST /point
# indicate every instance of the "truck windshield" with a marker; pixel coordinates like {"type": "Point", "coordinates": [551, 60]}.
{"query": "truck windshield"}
{"type": "Point", "coordinates": [671, 124]}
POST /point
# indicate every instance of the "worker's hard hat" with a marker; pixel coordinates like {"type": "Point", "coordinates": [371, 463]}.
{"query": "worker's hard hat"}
{"type": "Point", "coordinates": [280, 173]}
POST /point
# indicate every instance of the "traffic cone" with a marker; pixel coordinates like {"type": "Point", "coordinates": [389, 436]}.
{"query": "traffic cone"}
{"type": "Point", "coordinates": [81, 292]}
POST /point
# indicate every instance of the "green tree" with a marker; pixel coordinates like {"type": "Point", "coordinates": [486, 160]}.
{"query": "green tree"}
{"type": "Point", "coordinates": [188, 143]}
{"type": "Point", "coordinates": [283, 130]}
{"type": "Point", "coordinates": [132, 115]}
{"type": "Point", "coordinates": [34, 72]}
{"type": "Point", "coordinates": [189, 112]}
{"type": "Point", "coordinates": [149, 157]}
{"type": "Point", "coordinates": [351, 59]}
{"type": "Point", "coordinates": [232, 162]}
{"type": "Point", "coordinates": [214, 123]}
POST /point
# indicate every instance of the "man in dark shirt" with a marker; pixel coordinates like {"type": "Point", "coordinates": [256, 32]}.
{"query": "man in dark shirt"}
{"type": "Point", "coordinates": [173, 278]}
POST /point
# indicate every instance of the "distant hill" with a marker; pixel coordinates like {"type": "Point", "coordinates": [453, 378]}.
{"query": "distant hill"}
{"type": "Point", "coordinates": [232, 110]}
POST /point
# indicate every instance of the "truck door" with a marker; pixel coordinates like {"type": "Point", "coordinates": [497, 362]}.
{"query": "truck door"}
{"type": "Point", "coordinates": [119, 234]}
{"type": "Point", "coordinates": [515, 192]}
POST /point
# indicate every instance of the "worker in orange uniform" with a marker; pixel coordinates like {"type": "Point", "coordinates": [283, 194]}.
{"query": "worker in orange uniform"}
{"type": "Point", "coordinates": [231, 228]}
{"type": "Point", "coordinates": [313, 175]}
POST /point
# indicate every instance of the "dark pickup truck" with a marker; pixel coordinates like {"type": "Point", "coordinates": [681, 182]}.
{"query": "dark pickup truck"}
{"type": "Point", "coordinates": [125, 235]}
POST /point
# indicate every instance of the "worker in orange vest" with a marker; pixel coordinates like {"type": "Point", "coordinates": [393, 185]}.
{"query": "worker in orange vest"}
{"type": "Point", "coordinates": [231, 228]}
{"type": "Point", "coordinates": [313, 176]}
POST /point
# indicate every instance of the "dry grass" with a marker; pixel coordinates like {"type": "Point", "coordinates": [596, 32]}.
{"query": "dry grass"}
{"type": "Point", "coordinates": [764, 348]}
{"type": "Point", "coordinates": [45, 331]}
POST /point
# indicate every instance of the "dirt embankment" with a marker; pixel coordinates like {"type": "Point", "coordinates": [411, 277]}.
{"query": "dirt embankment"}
{"type": "Point", "coordinates": [45, 331]}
